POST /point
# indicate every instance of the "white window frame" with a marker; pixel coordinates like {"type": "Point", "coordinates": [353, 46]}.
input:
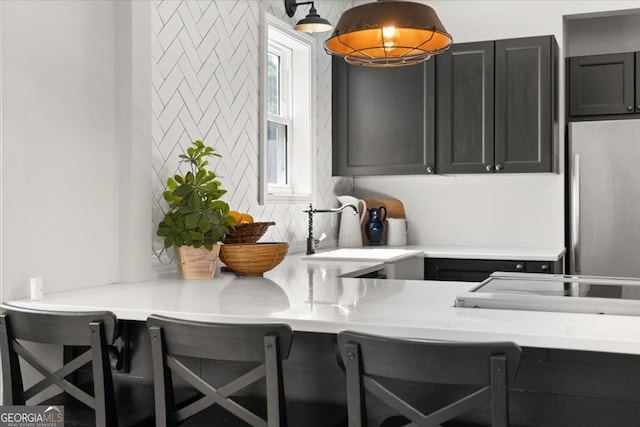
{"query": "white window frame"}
{"type": "Point", "coordinates": [301, 105]}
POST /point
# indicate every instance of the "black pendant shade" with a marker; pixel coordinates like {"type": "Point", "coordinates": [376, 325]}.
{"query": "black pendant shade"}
{"type": "Point", "coordinates": [388, 33]}
{"type": "Point", "coordinates": [312, 23]}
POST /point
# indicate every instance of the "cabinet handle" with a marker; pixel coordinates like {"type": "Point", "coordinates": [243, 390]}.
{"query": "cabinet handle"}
{"type": "Point", "coordinates": [629, 107]}
{"type": "Point", "coordinates": [544, 267]}
{"type": "Point", "coordinates": [638, 107]}
{"type": "Point", "coordinates": [429, 169]}
{"type": "Point", "coordinates": [575, 215]}
{"type": "Point", "coordinates": [498, 167]}
{"type": "Point", "coordinates": [489, 168]}
{"type": "Point", "coordinates": [519, 266]}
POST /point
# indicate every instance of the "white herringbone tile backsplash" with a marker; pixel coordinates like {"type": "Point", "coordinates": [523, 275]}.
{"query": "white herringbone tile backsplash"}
{"type": "Point", "coordinates": [205, 60]}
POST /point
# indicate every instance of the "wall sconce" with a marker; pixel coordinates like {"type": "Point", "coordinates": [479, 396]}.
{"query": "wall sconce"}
{"type": "Point", "coordinates": [313, 23]}
{"type": "Point", "coordinates": [388, 33]}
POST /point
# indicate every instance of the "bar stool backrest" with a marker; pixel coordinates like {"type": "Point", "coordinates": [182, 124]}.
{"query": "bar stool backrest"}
{"type": "Point", "coordinates": [96, 330]}
{"type": "Point", "coordinates": [491, 364]}
{"type": "Point", "coordinates": [264, 344]}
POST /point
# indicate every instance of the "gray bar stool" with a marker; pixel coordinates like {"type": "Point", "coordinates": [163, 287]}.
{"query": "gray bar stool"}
{"type": "Point", "coordinates": [265, 345]}
{"type": "Point", "coordinates": [95, 330]}
{"type": "Point", "coordinates": [368, 358]}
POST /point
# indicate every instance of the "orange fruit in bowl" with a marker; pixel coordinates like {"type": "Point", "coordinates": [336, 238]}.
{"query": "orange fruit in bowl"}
{"type": "Point", "coordinates": [241, 218]}
{"type": "Point", "coordinates": [236, 215]}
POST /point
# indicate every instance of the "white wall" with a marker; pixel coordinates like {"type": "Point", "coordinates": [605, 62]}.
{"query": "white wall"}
{"type": "Point", "coordinates": [603, 34]}
{"type": "Point", "coordinates": [60, 137]}
{"type": "Point", "coordinates": [134, 128]}
{"type": "Point", "coordinates": [78, 152]}
{"type": "Point", "coordinates": [205, 80]}
{"type": "Point", "coordinates": [505, 210]}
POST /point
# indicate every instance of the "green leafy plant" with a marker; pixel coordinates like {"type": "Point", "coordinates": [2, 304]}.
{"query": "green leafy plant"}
{"type": "Point", "coordinates": [196, 216]}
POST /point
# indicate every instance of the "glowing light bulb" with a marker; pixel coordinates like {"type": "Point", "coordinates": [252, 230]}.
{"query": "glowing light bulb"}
{"type": "Point", "coordinates": [389, 35]}
{"type": "Point", "coordinates": [388, 32]}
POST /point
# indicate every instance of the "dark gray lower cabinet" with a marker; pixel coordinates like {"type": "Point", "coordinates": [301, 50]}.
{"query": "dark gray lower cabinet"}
{"type": "Point", "coordinates": [603, 85]}
{"type": "Point", "coordinates": [476, 270]}
{"type": "Point", "coordinates": [383, 119]}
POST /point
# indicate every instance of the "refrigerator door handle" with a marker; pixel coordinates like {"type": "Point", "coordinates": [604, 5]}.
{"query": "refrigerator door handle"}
{"type": "Point", "coordinates": [575, 214]}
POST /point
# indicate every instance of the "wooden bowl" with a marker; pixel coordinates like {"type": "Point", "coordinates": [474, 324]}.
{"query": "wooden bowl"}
{"type": "Point", "coordinates": [247, 233]}
{"type": "Point", "coordinates": [253, 259]}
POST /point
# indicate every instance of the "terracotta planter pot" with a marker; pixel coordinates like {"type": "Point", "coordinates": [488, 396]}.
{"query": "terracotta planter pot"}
{"type": "Point", "coordinates": [197, 263]}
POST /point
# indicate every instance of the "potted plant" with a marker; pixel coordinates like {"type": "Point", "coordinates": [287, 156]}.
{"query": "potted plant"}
{"type": "Point", "coordinates": [197, 219]}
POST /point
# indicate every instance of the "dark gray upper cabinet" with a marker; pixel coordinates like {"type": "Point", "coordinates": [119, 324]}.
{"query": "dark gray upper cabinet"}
{"type": "Point", "coordinates": [638, 82]}
{"type": "Point", "coordinates": [497, 107]}
{"type": "Point", "coordinates": [603, 85]}
{"type": "Point", "coordinates": [526, 112]}
{"type": "Point", "coordinates": [494, 103]}
{"type": "Point", "coordinates": [383, 119]}
{"type": "Point", "coordinates": [465, 119]}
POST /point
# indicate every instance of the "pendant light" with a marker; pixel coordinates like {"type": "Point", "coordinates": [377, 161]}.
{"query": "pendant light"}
{"type": "Point", "coordinates": [388, 33]}
{"type": "Point", "coordinates": [313, 23]}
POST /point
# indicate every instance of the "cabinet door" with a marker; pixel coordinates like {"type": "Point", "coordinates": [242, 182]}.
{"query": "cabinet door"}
{"type": "Point", "coordinates": [383, 119]}
{"type": "Point", "coordinates": [464, 76]}
{"type": "Point", "coordinates": [601, 84]}
{"type": "Point", "coordinates": [539, 267]}
{"type": "Point", "coordinates": [526, 94]}
{"type": "Point", "coordinates": [637, 82]}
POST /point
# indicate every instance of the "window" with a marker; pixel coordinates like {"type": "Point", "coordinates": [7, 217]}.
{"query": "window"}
{"type": "Point", "coordinates": [278, 94]}
{"type": "Point", "coordinates": [287, 107]}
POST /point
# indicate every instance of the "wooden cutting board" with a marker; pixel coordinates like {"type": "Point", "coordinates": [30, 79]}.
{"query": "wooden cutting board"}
{"type": "Point", "coordinates": [394, 207]}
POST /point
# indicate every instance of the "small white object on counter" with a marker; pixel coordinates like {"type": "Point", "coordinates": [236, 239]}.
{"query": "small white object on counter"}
{"type": "Point", "coordinates": [397, 232]}
{"type": "Point", "coordinates": [36, 288]}
{"type": "Point", "coordinates": [350, 233]}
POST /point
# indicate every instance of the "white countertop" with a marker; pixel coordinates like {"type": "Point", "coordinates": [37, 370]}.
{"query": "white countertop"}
{"type": "Point", "coordinates": [514, 253]}
{"type": "Point", "coordinates": [310, 296]}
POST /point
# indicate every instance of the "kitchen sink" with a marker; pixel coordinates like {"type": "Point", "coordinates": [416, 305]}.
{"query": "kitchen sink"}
{"type": "Point", "coordinates": [363, 254]}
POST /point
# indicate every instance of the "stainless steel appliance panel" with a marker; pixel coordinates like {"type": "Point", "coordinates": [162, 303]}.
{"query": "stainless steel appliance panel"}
{"type": "Point", "coordinates": [559, 293]}
{"type": "Point", "coordinates": [605, 198]}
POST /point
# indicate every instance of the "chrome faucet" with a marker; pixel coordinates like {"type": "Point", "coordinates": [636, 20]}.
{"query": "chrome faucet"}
{"type": "Point", "coordinates": [312, 243]}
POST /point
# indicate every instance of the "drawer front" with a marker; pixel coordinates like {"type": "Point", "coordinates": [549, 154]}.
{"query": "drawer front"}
{"type": "Point", "coordinates": [477, 270]}
{"type": "Point", "coordinates": [538, 267]}
{"type": "Point", "coordinates": [467, 270]}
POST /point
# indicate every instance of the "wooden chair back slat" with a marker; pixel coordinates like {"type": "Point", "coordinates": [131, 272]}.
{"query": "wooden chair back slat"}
{"type": "Point", "coordinates": [368, 359]}
{"type": "Point", "coordinates": [54, 327]}
{"type": "Point", "coordinates": [239, 343]}
{"type": "Point", "coordinates": [263, 345]}
{"type": "Point", "coordinates": [430, 361]}
{"type": "Point", "coordinates": [95, 330]}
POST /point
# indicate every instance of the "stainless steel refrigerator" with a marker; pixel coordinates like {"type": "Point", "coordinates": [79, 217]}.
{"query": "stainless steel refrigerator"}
{"type": "Point", "coordinates": [604, 191]}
